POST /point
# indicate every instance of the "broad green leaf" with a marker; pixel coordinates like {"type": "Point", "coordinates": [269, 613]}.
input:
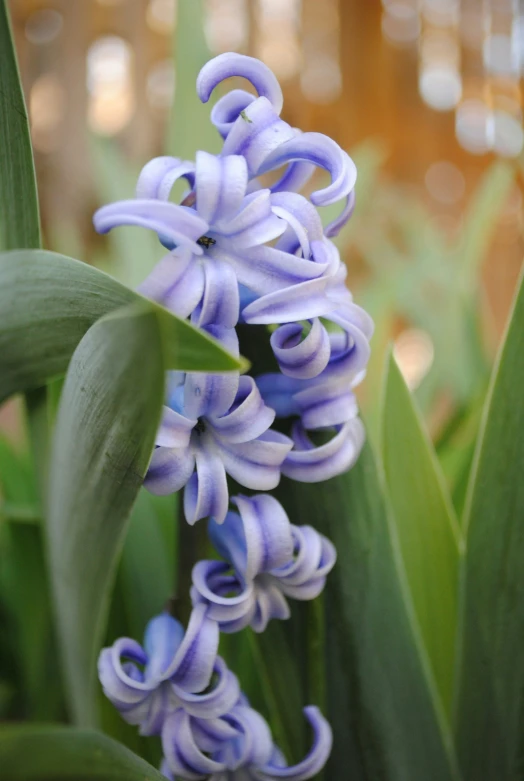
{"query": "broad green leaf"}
{"type": "Point", "coordinates": [106, 424]}
{"type": "Point", "coordinates": [426, 526]}
{"type": "Point", "coordinates": [190, 128]}
{"type": "Point", "coordinates": [490, 720]}
{"type": "Point", "coordinates": [48, 302]}
{"type": "Point", "coordinates": [19, 220]}
{"type": "Point", "coordinates": [57, 753]}
{"type": "Point", "coordinates": [382, 703]}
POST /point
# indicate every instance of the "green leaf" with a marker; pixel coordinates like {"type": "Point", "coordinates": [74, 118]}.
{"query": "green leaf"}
{"type": "Point", "coordinates": [106, 424]}
{"type": "Point", "coordinates": [19, 220]}
{"type": "Point", "coordinates": [427, 529]}
{"type": "Point", "coordinates": [48, 302]}
{"type": "Point", "coordinates": [56, 753]}
{"type": "Point", "coordinates": [189, 126]}
{"type": "Point", "coordinates": [490, 720]}
{"type": "Point", "coordinates": [382, 703]}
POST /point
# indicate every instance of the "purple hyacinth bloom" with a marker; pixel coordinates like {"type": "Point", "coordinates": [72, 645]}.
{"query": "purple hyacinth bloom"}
{"type": "Point", "coordinates": [215, 424]}
{"type": "Point", "coordinates": [267, 560]}
{"type": "Point", "coordinates": [237, 747]}
{"type": "Point", "coordinates": [172, 669]}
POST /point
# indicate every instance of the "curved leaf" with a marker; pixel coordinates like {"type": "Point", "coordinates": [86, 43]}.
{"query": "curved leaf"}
{"type": "Point", "coordinates": [491, 663]}
{"type": "Point", "coordinates": [426, 525]}
{"type": "Point", "coordinates": [57, 753]}
{"type": "Point", "coordinates": [48, 302]}
{"type": "Point", "coordinates": [106, 424]}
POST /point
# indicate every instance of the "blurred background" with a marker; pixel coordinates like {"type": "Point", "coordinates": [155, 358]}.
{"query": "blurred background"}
{"type": "Point", "coordinates": [425, 94]}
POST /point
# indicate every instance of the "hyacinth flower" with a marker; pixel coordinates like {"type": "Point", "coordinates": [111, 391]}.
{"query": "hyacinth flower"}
{"type": "Point", "coordinates": [215, 424]}
{"type": "Point", "coordinates": [237, 747]}
{"type": "Point", "coordinates": [267, 560]}
{"type": "Point", "coordinates": [169, 672]}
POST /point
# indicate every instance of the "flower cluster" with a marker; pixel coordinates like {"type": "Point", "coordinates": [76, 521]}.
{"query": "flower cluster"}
{"type": "Point", "coordinates": [177, 687]}
{"type": "Point", "coordinates": [244, 248]}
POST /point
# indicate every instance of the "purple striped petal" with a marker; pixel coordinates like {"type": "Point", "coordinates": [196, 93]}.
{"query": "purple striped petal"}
{"type": "Point", "coordinates": [231, 64]}
{"type": "Point", "coordinates": [206, 491]}
{"type": "Point", "coordinates": [313, 762]}
{"type": "Point", "coordinates": [175, 430]}
{"type": "Point", "coordinates": [322, 151]}
{"type": "Point", "coordinates": [296, 175]}
{"type": "Point", "coordinates": [270, 604]}
{"type": "Point", "coordinates": [299, 208]}
{"type": "Point", "coordinates": [316, 464]}
{"type": "Point", "coordinates": [303, 301]}
{"type": "Point", "coordinates": [226, 600]}
{"type": "Point", "coordinates": [334, 228]}
{"type": "Point", "coordinates": [326, 404]}
{"type": "Point", "coordinates": [229, 540]}
{"type": "Point", "coordinates": [215, 703]}
{"type": "Point", "coordinates": [169, 470]}
{"type": "Point", "coordinates": [248, 418]}
{"type": "Point", "coordinates": [206, 393]}
{"type": "Point", "coordinates": [159, 175]}
{"type": "Point", "coordinates": [182, 755]}
{"type": "Point", "coordinates": [193, 664]}
{"type": "Point", "coordinates": [257, 133]}
{"type": "Point", "coordinates": [303, 577]}
{"type": "Point", "coordinates": [266, 269]}
{"type": "Point", "coordinates": [123, 683]}
{"type": "Point", "coordinates": [304, 358]}
{"type": "Point", "coordinates": [254, 224]}
{"type": "Point", "coordinates": [162, 639]}
{"type": "Point", "coordinates": [267, 533]}
{"type": "Point", "coordinates": [220, 303]}
{"type": "Point", "coordinates": [253, 746]}
{"type": "Point", "coordinates": [176, 282]}
{"type": "Point", "coordinates": [256, 464]}
{"type": "Point", "coordinates": [220, 186]}
{"type": "Point", "coordinates": [227, 109]}
{"type": "Point", "coordinates": [178, 224]}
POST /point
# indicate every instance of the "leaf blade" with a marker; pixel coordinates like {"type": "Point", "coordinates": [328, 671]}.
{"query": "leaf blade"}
{"type": "Point", "coordinates": [58, 753]}
{"type": "Point", "coordinates": [62, 298]}
{"type": "Point", "coordinates": [427, 529]}
{"type": "Point", "coordinates": [106, 423]}
{"type": "Point", "coordinates": [490, 706]}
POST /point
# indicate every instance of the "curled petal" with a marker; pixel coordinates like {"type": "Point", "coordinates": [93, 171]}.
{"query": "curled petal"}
{"type": "Point", "coordinates": [175, 430]}
{"type": "Point", "coordinates": [334, 228]}
{"type": "Point", "coordinates": [270, 603]}
{"type": "Point", "coordinates": [266, 269]}
{"type": "Point", "coordinates": [303, 301]}
{"type": "Point", "coordinates": [302, 210]}
{"type": "Point", "coordinates": [176, 282]}
{"type": "Point", "coordinates": [301, 359]}
{"type": "Point", "coordinates": [226, 599]}
{"type": "Point", "coordinates": [349, 351]}
{"type": "Point", "coordinates": [227, 109]}
{"type": "Point", "coordinates": [193, 663]}
{"type": "Point", "coordinates": [326, 404]}
{"type": "Point", "coordinates": [123, 683]}
{"type": "Point", "coordinates": [169, 470]}
{"type": "Point", "coordinates": [159, 175]}
{"type": "Point", "coordinates": [215, 703]}
{"type": "Point", "coordinates": [254, 224]}
{"type": "Point", "coordinates": [220, 303]}
{"type": "Point", "coordinates": [220, 186]}
{"type": "Point", "coordinates": [257, 132]}
{"type": "Point", "coordinates": [162, 640]}
{"type": "Point", "coordinates": [231, 64]}
{"type": "Point", "coordinates": [304, 576]}
{"type": "Point", "coordinates": [315, 464]}
{"type": "Point", "coordinates": [253, 747]}
{"type": "Point", "coordinates": [296, 175]}
{"type": "Point", "coordinates": [182, 755]}
{"type": "Point", "coordinates": [313, 762]}
{"type": "Point", "coordinates": [206, 491]}
{"type": "Point", "coordinates": [206, 393]}
{"type": "Point", "coordinates": [248, 418]}
{"type": "Point", "coordinates": [267, 533]}
{"type": "Point", "coordinates": [256, 464]}
{"type": "Point", "coordinates": [322, 151]}
{"type": "Point", "coordinates": [177, 224]}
